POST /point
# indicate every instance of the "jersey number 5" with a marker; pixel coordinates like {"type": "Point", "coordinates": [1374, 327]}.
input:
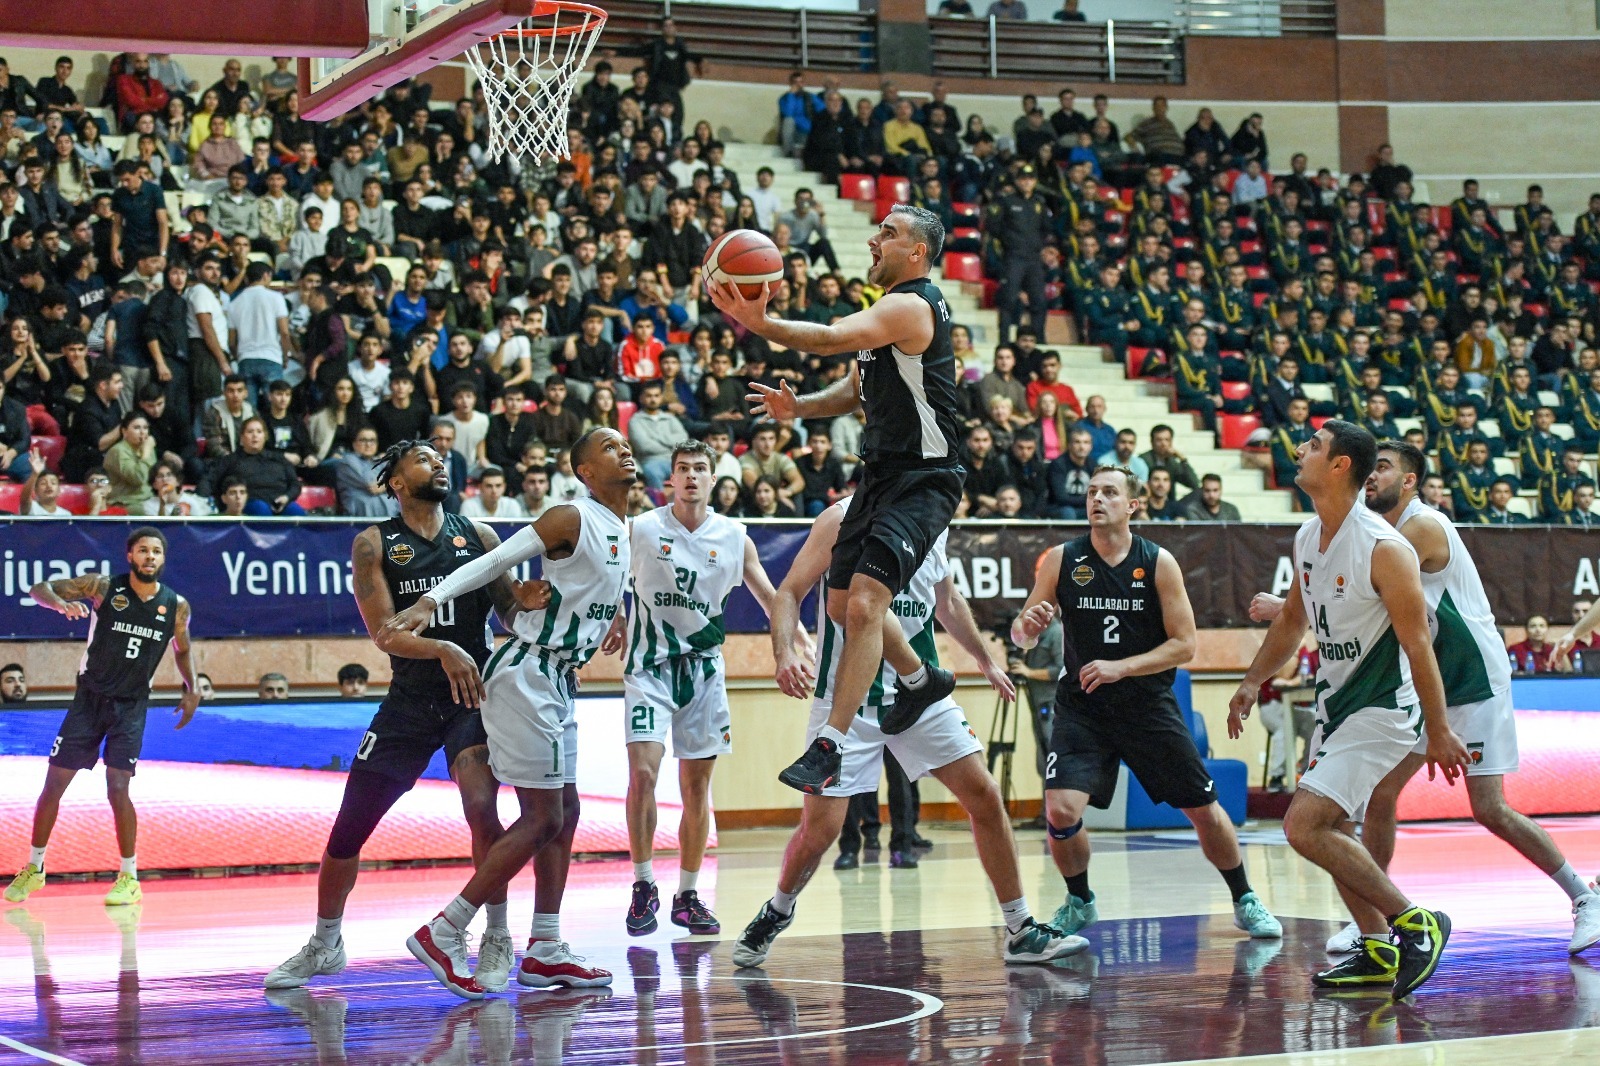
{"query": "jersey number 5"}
{"type": "Point", "coordinates": [134, 646]}
{"type": "Point", "coordinates": [1110, 634]}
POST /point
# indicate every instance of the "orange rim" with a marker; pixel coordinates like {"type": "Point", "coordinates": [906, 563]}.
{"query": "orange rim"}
{"type": "Point", "coordinates": [595, 19]}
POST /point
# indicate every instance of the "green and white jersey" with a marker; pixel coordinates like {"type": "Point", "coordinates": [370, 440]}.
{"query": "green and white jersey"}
{"type": "Point", "coordinates": [1471, 653]}
{"type": "Point", "coordinates": [585, 594]}
{"type": "Point", "coordinates": [1362, 664]}
{"type": "Point", "coordinates": [913, 607]}
{"type": "Point", "coordinates": [681, 584]}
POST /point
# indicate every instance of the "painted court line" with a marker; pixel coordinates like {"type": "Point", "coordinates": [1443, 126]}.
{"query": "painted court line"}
{"type": "Point", "coordinates": [43, 1056]}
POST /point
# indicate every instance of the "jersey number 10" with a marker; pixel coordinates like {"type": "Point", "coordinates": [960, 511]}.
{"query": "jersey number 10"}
{"type": "Point", "coordinates": [443, 615]}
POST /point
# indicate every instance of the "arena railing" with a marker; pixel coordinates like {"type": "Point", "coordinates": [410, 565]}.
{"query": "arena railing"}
{"type": "Point", "coordinates": [1257, 18]}
{"type": "Point", "coordinates": [843, 41]}
{"type": "Point", "coordinates": [1118, 50]}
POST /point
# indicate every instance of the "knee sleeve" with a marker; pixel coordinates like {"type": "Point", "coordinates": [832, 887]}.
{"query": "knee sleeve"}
{"type": "Point", "coordinates": [367, 798]}
{"type": "Point", "coordinates": [1064, 834]}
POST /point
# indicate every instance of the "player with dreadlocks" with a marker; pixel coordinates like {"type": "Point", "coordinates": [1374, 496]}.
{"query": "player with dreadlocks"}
{"type": "Point", "coordinates": [433, 700]}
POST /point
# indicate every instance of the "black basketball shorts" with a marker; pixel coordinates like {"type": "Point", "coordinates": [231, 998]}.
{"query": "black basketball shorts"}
{"type": "Point", "coordinates": [404, 734]}
{"type": "Point", "coordinates": [1086, 745]}
{"type": "Point", "coordinates": [96, 721]}
{"type": "Point", "coordinates": [892, 524]}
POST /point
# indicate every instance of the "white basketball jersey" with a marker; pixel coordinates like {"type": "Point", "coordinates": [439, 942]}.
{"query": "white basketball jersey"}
{"type": "Point", "coordinates": [914, 609]}
{"type": "Point", "coordinates": [1471, 653]}
{"type": "Point", "coordinates": [1362, 663]}
{"type": "Point", "coordinates": [681, 583]}
{"type": "Point", "coordinates": [585, 590]}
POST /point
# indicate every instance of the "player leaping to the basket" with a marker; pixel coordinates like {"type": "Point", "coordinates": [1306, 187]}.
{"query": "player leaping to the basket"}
{"type": "Point", "coordinates": [903, 377]}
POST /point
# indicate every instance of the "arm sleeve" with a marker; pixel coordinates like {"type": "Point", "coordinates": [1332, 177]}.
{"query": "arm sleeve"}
{"type": "Point", "coordinates": [525, 544]}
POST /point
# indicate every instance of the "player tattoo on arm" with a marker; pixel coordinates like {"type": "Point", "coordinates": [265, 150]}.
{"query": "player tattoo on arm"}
{"type": "Point", "coordinates": [66, 595]}
{"type": "Point", "coordinates": [377, 608]}
{"type": "Point", "coordinates": [183, 657]}
{"type": "Point", "coordinates": [502, 594]}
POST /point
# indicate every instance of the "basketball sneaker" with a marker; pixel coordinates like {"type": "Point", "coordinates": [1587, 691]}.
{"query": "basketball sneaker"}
{"type": "Point", "coordinates": [496, 956]}
{"type": "Point", "coordinates": [316, 959]}
{"type": "Point", "coordinates": [1585, 923]}
{"type": "Point", "coordinates": [1423, 935]}
{"type": "Point", "coordinates": [29, 880]}
{"type": "Point", "coordinates": [642, 909]}
{"type": "Point", "coordinates": [1376, 962]}
{"type": "Point", "coordinates": [1041, 943]}
{"type": "Point", "coordinates": [903, 860]}
{"type": "Point", "coordinates": [124, 892]}
{"type": "Point", "coordinates": [1075, 914]}
{"type": "Point", "coordinates": [689, 912]}
{"type": "Point", "coordinates": [551, 964]}
{"type": "Point", "coordinates": [754, 944]}
{"type": "Point", "coordinates": [847, 860]}
{"type": "Point", "coordinates": [1251, 915]}
{"type": "Point", "coordinates": [816, 770]}
{"type": "Point", "coordinates": [909, 703]}
{"type": "Point", "coordinates": [1345, 941]}
{"type": "Point", "coordinates": [443, 948]}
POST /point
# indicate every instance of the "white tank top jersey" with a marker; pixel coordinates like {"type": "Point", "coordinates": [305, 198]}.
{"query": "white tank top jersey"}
{"type": "Point", "coordinates": [913, 607]}
{"type": "Point", "coordinates": [681, 584]}
{"type": "Point", "coordinates": [1362, 664]}
{"type": "Point", "coordinates": [585, 590]}
{"type": "Point", "coordinates": [1471, 653]}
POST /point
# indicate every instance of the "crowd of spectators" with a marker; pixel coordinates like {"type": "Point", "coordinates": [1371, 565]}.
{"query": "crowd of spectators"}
{"type": "Point", "coordinates": [1280, 297]}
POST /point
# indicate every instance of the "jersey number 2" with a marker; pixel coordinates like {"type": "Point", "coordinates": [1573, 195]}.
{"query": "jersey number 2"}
{"type": "Point", "coordinates": [1110, 635]}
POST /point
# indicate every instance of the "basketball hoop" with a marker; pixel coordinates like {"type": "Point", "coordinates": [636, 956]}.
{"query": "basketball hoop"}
{"type": "Point", "coordinates": [527, 74]}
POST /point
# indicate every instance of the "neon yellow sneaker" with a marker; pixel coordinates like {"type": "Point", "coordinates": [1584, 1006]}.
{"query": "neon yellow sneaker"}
{"type": "Point", "coordinates": [29, 880]}
{"type": "Point", "coordinates": [124, 892]}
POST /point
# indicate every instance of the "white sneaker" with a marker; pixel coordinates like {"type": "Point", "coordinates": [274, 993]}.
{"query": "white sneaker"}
{"type": "Point", "coordinates": [496, 956]}
{"type": "Point", "coordinates": [1346, 941]}
{"type": "Point", "coordinates": [316, 959]}
{"type": "Point", "coordinates": [1585, 923]}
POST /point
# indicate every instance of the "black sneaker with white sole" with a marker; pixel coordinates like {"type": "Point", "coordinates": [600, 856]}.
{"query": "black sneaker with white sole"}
{"type": "Point", "coordinates": [909, 703]}
{"type": "Point", "coordinates": [817, 769]}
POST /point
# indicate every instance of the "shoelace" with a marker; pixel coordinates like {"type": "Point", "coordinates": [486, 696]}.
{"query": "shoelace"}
{"type": "Point", "coordinates": [698, 912]}
{"type": "Point", "coordinates": [641, 901]}
{"type": "Point", "coordinates": [766, 923]}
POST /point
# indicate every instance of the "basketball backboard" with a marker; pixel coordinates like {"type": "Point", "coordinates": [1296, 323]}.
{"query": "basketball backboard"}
{"type": "Point", "coordinates": [405, 37]}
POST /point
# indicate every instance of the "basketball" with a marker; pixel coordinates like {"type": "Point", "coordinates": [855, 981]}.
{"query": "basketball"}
{"type": "Point", "coordinates": [747, 258]}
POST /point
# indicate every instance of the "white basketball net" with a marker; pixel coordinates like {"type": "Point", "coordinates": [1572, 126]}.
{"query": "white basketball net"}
{"type": "Point", "coordinates": [527, 74]}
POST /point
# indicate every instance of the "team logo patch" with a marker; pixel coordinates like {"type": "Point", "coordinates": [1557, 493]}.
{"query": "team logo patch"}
{"type": "Point", "coordinates": [1338, 587]}
{"type": "Point", "coordinates": [711, 557]}
{"type": "Point", "coordinates": [162, 609]}
{"type": "Point", "coordinates": [1312, 765]}
{"type": "Point", "coordinates": [459, 541]}
{"type": "Point", "coordinates": [1138, 573]}
{"type": "Point", "coordinates": [1083, 575]}
{"type": "Point", "coordinates": [1475, 753]}
{"type": "Point", "coordinates": [726, 738]}
{"type": "Point", "coordinates": [401, 554]}
{"type": "Point", "coordinates": [666, 547]}
{"type": "Point", "coordinates": [119, 602]}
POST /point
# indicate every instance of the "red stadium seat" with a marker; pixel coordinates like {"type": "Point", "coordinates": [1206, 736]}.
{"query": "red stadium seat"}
{"type": "Point", "coordinates": [1399, 303]}
{"type": "Point", "coordinates": [1116, 219]}
{"type": "Point", "coordinates": [1233, 176]}
{"type": "Point", "coordinates": [1444, 220]}
{"type": "Point", "coordinates": [881, 209]}
{"type": "Point", "coordinates": [529, 406]}
{"type": "Point", "coordinates": [1385, 254]}
{"type": "Point", "coordinates": [963, 266]}
{"type": "Point", "coordinates": [1180, 209]}
{"type": "Point", "coordinates": [1537, 310]}
{"type": "Point", "coordinates": [966, 212]}
{"type": "Point", "coordinates": [10, 498]}
{"type": "Point", "coordinates": [1317, 420]}
{"type": "Point", "coordinates": [891, 187]}
{"type": "Point", "coordinates": [1236, 429]}
{"type": "Point", "coordinates": [313, 497]}
{"type": "Point", "coordinates": [1052, 291]}
{"type": "Point", "coordinates": [1392, 276]}
{"type": "Point", "coordinates": [965, 233]}
{"type": "Point", "coordinates": [1259, 298]}
{"type": "Point", "coordinates": [1375, 215]}
{"type": "Point", "coordinates": [625, 409]}
{"type": "Point", "coordinates": [41, 422]}
{"type": "Point", "coordinates": [1318, 225]}
{"type": "Point", "coordinates": [1235, 390]}
{"type": "Point", "coordinates": [1183, 243]}
{"type": "Point", "coordinates": [1316, 248]}
{"type": "Point", "coordinates": [857, 187]}
{"type": "Point", "coordinates": [52, 449]}
{"type": "Point", "coordinates": [991, 290]}
{"type": "Point", "coordinates": [1256, 273]}
{"type": "Point", "coordinates": [677, 336]}
{"type": "Point", "coordinates": [75, 498]}
{"type": "Point", "coordinates": [1249, 247]}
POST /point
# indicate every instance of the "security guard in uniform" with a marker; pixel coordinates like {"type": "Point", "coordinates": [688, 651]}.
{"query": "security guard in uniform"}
{"type": "Point", "coordinates": [1020, 227]}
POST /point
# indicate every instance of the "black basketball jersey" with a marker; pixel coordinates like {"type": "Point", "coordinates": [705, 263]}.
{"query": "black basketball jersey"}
{"type": "Point", "coordinates": [412, 565]}
{"type": "Point", "coordinates": [1109, 612]}
{"type": "Point", "coordinates": [910, 400]}
{"type": "Point", "coordinates": [127, 638]}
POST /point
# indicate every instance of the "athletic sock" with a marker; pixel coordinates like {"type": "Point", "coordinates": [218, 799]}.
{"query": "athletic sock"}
{"type": "Point", "coordinates": [36, 858]}
{"type": "Point", "coordinates": [1570, 880]}
{"type": "Point", "coordinates": [497, 916]}
{"type": "Point", "coordinates": [783, 902]}
{"type": "Point", "coordinates": [917, 678]}
{"type": "Point", "coordinates": [459, 913]}
{"type": "Point", "coordinates": [546, 926]}
{"type": "Point", "coordinates": [1238, 883]}
{"type": "Point", "coordinates": [1016, 913]}
{"type": "Point", "coordinates": [687, 880]}
{"type": "Point", "coordinates": [644, 871]}
{"type": "Point", "coordinates": [1078, 885]}
{"type": "Point", "coordinates": [330, 931]}
{"type": "Point", "coordinates": [832, 734]}
{"type": "Point", "coordinates": [130, 865]}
